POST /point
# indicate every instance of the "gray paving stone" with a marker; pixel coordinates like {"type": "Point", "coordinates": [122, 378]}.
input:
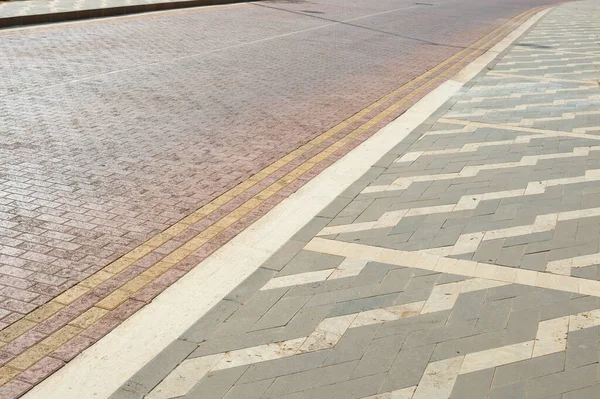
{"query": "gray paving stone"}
{"type": "Point", "coordinates": [352, 389]}
{"type": "Point", "coordinates": [417, 323]}
{"type": "Point", "coordinates": [283, 255]}
{"type": "Point", "coordinates": [124, 394]}
{"type": "Point", "coordinates": [473, 385]}
{"type": "Point", "coordinates": [320, 287]}
{"type": "Point", "coordinates": [396, 279]}
{"type": "Point", "coordinates": [160, 366]}
{"type": "Point", "coordinates": [511, 256]}
{"type": "Point", "coordinates": [488, 251]}
{"type": "Point", "coordinates": [470, 344]}
{"type": "Point", "coordinates": [590, 272]}
{"type": "Point", "coordinates": [352, 345]}
{"type": "Point", "coordinates": [591, 392]}
{"type": "Point", "coordinates": [281, 313]}
{"type": "Point", "coordinates": [249, 286]}
{"type": "Point", "coordinates": [408, 225]}
{"type": "Point", "coordinates": [216, 385]}
{"type": "Point", "coordinates": [259, 303]}
{"type": "Point", "coordinates": [512, 391]}
{"type": "Point", "coordinates": [233, 326]}
{"type": "Point", "coordinates": [335, 207]}
{"type": "Point", "coordinates": [308, 261]}
{"type": "Point", "coordinates": [582, 347]}
{"type": "Point", "coordinates": [440, 334]}
{"type": "Point", "coordinates": [408, 368]}
{"type": "Point", "coordinates": [528, 369]}
{"type": "Point", "coordinates": [507, 291]}
{"type": "Point", "coordinates": [446, 278]}
{"type": "Point", "coordinates": [286, 366]}
{"type": "Point", "coordinates": [522, 326]}
{"type": "Point", "coordinates": [351, 294]}
{"type": "Point", "coordinates": [537, 298]}
{"type": "Point", "coordinates": [307, 232]}
{"type": "Point", "coordinates": [379, 356]}
{"type": "Point", "coordinates": [566, 381]}
{"type": "Point", "coordinates": [535, 261]}
{"type": "Point", "coordinates": [203, 328]}
{"type": "Point", "coordinates": [360, 305]}
{"type": "Point", "coordinates": [305, 321]}
{"type": "Point", "coordinates": [494, 316]}
{"type": "Point", "coordinates": [467, 306]}
{"type": "Point", "coordinates": [356, 187]}
{"type": "Point", "coordinates": [253, 390]}
{"type": "Point", "coordinates": [569, 306]}
{"type": "Point", "coordinates": [305, 380]}
{"type": "Point", "coordinates": [373, 273]}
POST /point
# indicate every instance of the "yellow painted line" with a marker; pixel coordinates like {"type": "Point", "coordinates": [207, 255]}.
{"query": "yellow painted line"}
{"type": "Point", "coordinates": [113, 300]}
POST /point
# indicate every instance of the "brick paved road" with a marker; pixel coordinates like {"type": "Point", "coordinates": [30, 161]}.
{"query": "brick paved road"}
{"type": "Point", "coordinates": [112, 130]}
{"type": "Point", "coordinates": [465, 264]}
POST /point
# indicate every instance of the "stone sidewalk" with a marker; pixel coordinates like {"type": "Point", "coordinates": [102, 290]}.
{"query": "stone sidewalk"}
{"type": "Point", "coordinates": [464, 264]}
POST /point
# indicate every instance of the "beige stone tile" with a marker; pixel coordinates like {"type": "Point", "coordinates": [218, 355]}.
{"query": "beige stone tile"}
{"type": "Point", "coordinates": [348, 268]}
{"type": "Point", "coordinates": [327, 333]}
{"type": "Point", "coordinates": [496, 357]}
{"type": "Point", "coordinates": [438, 379]}
{"type": "Point", "coordinates": [443, 297]}
{"type": "Point", "coordinates": [259, 354]}
{"type": "Point", "coordinates": [297, 279]}
{"type": "Point", "coordinates": [551, 336]}
{"type": "Point", "coordinates": [387, 314]}
{"type": "Point", "coordinates": [181, 380]}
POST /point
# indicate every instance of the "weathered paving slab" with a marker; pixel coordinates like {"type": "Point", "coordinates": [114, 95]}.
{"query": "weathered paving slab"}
{"type": "Point", "coordinates": [467, 268]}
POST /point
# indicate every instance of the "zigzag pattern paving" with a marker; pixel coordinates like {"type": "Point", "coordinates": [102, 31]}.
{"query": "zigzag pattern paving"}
{"type": "Point", "coordinates": [465, 264]}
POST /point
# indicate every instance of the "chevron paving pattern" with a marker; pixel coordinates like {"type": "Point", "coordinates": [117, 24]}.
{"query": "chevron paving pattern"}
{"type": "Point", "coordinates": [464, 265]}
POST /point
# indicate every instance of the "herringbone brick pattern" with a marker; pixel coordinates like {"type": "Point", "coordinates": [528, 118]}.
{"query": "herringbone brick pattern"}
{"type": "Point", "coordinates": [466, 266]}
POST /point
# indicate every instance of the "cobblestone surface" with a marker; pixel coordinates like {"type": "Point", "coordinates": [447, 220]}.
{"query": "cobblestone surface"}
{"type": "Point", "coordinates": [466, 269]}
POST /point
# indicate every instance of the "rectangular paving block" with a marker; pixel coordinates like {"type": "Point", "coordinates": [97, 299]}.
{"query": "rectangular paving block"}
{"type": "Point", "coordinates": [159, 367]}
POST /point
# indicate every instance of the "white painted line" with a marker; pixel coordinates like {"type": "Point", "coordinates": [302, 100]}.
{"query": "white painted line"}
{"type": "Point", "coordinates": [105, 366]}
